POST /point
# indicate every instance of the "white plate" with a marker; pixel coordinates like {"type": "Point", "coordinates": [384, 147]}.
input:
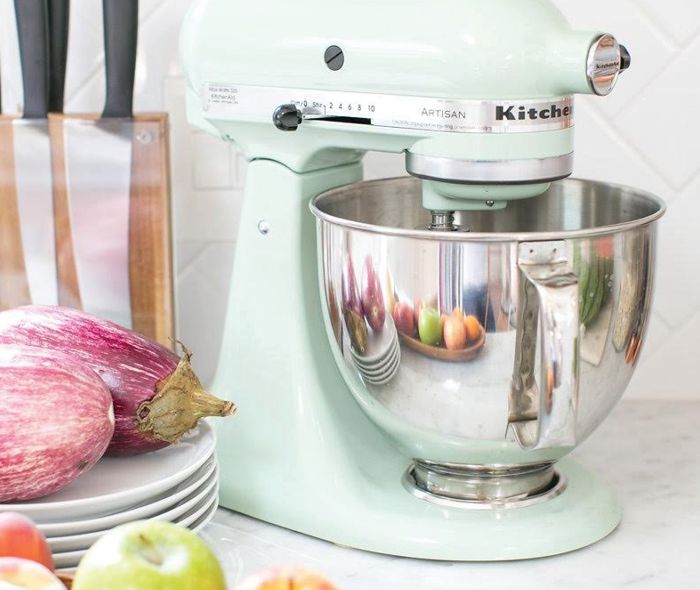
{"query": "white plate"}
{"type": "Point", "coordinates": [155, 505]}
{"type": "Point", "coordinates": [379, 345]}
{"type": "Point", "coordinates": [380, 369]}
{"type": "Point", "coordinates": [388, 375]}
{"type": "Point", "coordinates": [68, 560]}
{"type": "Point", "coordinates": [202, 512]}
{"type": "Point", "coordinates": [206, 517]}
{"type": "Point", "coordinates": [85, 541]}
{"type": "Point", "coordinates": [116, 483]}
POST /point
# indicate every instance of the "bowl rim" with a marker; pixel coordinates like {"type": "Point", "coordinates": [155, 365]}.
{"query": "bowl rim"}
{"type": "Point", "coordinates": [434, 235]}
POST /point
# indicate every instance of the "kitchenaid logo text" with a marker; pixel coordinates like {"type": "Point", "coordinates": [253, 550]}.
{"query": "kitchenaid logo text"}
{"type": "Point", "coordinates": [608, 65]}
{"type": "Point", "coordinates": [523, 113]}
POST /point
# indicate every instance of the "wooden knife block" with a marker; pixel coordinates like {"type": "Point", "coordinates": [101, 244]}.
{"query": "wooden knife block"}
{"type": "Point", "coordinates": [150, 239]}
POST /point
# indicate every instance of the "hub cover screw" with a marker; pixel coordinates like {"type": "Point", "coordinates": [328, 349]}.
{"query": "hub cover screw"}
{"type": "Point", "coordinates": [334, 57]}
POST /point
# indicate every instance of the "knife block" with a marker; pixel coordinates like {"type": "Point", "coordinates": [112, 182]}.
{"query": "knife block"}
{"type": "Point", "coordinates": [149, 240]}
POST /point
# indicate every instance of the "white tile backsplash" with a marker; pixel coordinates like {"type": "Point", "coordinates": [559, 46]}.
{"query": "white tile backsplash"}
{"type": "Point", "coordinates": [202, 292]}
{"type": "Point", "coordinates": [680, 19]}
{"type": "Point", "coordinates": [213, 166]}
{"type": "Point", "coordinates": [641, 135]}
{"type": "Point", "coordinates": [678, 295]}
{"type": "Point", "coordinates": [658, 124]}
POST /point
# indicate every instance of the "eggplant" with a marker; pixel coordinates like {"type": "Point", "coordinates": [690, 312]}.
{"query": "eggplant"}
{"type": "Point", "coordinates": [56, 421]}
{"type": "Point", "coordinates": [351, 293]}
{"type": "Point", "coordinates": [372, 297]}
{"type": "Point", "coordinates": [357, 330]}
{"type": "Point", "coordinates": [157, 395]}
{"type": "Point", "coordinates": [353, 313]}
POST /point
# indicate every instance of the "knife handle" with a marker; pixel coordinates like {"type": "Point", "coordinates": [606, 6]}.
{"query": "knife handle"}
{"type": "Point", "coordinates": [120, 35]}
{"type": "Point", "coordinates": [33, 33]}
{"type": "Point", "coordinates": [59, 11]}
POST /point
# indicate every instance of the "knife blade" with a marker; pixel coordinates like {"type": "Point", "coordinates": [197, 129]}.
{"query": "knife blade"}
{"type": "Point", "coordinates": [99, 175]}
{"type": "Point", "coordinates": [32, 153]}
{"type": "Point", "coordinates": [68, 290]}
{"type": "Point", "coordinates": [14, 289]}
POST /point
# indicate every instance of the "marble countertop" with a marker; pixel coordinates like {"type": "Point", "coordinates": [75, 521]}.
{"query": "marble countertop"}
{"type": "Point", "coordinates": [648, 450]}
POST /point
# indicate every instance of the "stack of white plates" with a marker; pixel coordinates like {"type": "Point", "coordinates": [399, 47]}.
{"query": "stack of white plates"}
{"type": "Point", "coordinates": [382, 356]}
{"type": "Point", "coordinates": [178, 484]}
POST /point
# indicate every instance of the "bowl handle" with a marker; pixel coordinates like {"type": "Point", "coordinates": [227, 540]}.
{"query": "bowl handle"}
{"type": "Point", "coordinates": [543, 416]}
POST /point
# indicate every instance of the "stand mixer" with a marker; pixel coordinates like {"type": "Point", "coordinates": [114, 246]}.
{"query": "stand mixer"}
{"type": "Point", "coordinates": [476, 321]}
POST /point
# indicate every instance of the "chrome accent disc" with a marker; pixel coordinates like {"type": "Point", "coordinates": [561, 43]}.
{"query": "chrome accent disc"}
{"type": "Point", "coordinates": [533, 170]}
{"type": "Point", "coordinates": [491, 497]}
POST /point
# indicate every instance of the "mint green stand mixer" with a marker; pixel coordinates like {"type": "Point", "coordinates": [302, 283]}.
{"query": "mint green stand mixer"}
{"type": "Point", "coordinates": [356, 425]}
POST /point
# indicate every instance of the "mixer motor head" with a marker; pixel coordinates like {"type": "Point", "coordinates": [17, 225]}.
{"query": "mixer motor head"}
{"type": "Point", "coordinates": [481, 103]}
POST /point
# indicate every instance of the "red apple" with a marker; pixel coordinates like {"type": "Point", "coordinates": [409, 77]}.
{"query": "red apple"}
{"type": "Point", "coordinates": [19, 537]}
{"type": "Point", "coordinates": [286, 579]}
{"type": "Point", "coordinates": [22, 573]}
{"type": "Point", "coordinates": [403, 318]}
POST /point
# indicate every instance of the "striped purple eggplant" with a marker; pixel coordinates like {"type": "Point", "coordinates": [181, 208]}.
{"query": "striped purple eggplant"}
{"type": "Point", "coordinates": [157, 396]}
{"type": "Point", "coordinates": [56, 420]}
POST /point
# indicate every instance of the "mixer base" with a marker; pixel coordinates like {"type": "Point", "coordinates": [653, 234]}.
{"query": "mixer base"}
{"type": "Point", "coordinates": [302, 452]}
{"type": "Point", "coordinates": [389, 520]}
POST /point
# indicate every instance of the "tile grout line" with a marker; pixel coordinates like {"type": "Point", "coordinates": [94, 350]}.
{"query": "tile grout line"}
{"type": "Point", "coordinates": [661, 319]}
{"type": "Point", "coordinates": [620, 137]}
{"type": "Point", "coordinates": [663, 32]}
{"type": "Point", "coordinates": [99, 66]}
{"type": "Point", "coordinates": [681, 46]}
{"type": "Point", "coordinates": [624, 105]}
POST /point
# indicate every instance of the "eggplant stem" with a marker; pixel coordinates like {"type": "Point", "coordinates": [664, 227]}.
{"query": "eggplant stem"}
{"type": "Point", "coordinates": [185, 351]}
{"type": "Point", "coordinates": [179, 403]}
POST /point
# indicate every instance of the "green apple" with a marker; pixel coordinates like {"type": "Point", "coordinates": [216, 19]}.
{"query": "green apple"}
{"type": "Point", "coordinates": [149, 555]}
{"type": "Point", "coordinates": [429, 326]}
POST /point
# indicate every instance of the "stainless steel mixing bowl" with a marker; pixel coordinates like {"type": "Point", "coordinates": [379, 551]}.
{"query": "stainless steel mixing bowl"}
{"type": "Point", "coordinates": [488, 352]}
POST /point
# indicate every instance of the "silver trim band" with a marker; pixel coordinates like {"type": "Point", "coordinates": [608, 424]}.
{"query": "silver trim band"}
{"type": "Point", "coordinates": [574, 186]}
{"type": "Point", "coordinates": [227, 101]}
{"type": "Point", "coordinates": [557, 486]}
{"type": "Point", "coordinates": [490, 171]}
